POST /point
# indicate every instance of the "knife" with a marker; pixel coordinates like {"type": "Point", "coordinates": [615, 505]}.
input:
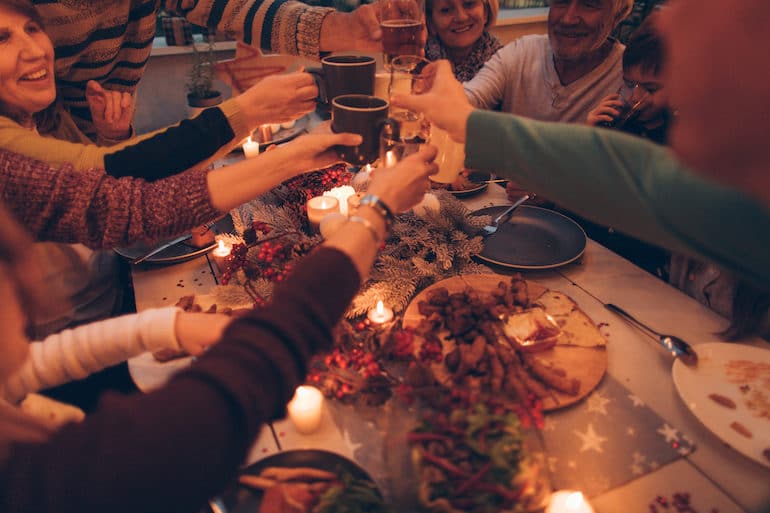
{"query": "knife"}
{"type": "Point", "coordinates": [160, 248]}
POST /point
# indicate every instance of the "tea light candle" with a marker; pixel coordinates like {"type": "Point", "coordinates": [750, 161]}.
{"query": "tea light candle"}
{"type": "Point", "coordinates": [250, 148]}
{"type": "Point", "coordinates": [319, 207]}
{"type": "Point", "coordinates": [568, 501]}
{"type": "Point", "coordinates": [342, 194]}
{"type": "Point", "coordinates": [380, 314]}
{"type": "Point", "coordinates": [220, 253]}
{"type": "Point", "coordinates": [306, 409]}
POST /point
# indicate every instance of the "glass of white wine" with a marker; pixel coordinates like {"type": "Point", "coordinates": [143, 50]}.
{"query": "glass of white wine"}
{"type": "Point", "coordinates": [409, 75]}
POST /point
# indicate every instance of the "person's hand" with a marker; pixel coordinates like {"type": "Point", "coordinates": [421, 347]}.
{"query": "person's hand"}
{"type": "Point", "coordinates": [403, 186]}
{"type": "Point", "coordinates": [197, 331]}
{"type": "Point", "coordinates": [445, 103]}
{"type": "Point", "coordinates": [316, 149]}
{"type": "Point", "coordinates": [607, 110]}
{"type": "Point", "coordinates": [358, 30]}
{"type": "Point", "coordinates": [111, 111]}
{"type": "Point", "coordinates": [279, 98]}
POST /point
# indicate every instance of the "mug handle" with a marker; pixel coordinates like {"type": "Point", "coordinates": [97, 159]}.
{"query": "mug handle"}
{"type": "Point", "coordinates": [318, 78]}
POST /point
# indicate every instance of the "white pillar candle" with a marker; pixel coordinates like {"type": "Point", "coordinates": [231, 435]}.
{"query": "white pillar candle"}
{"type": "Point", "coordinates": [380, 314]}
{"type": "Point", "coordinates": [319, 207]}
{"type": "Point", "coordinates": [250, 148]}
{"type": "Point", "coordinates": [342, 194]}
{"type": "Point", "coordinates": [568, 501]}
{"type": "Point", "coordinates": [220, 254]}
{"type": "Point", "coordinates": [306, 409]}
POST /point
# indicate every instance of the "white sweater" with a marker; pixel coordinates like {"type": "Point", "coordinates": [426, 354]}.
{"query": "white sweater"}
{"type": "Point", "coordinates": [521, 79]}
{"type": "Point", "coordinates": [75, 353]}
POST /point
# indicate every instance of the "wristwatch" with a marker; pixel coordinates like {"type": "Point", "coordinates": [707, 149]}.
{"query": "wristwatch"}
{"type": "Point", "coordinates": [378, 205]}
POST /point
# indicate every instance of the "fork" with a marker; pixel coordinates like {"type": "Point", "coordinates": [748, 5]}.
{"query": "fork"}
{"type": "Point", "coordinates": [503, 218]}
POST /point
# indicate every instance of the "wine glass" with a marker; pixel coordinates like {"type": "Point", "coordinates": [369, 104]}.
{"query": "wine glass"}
{"type": "Point", "coordinates": [408, 75]}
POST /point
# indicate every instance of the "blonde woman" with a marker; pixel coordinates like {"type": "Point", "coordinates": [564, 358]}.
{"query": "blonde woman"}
{"type": "Point", "coordinates": [459, 32]}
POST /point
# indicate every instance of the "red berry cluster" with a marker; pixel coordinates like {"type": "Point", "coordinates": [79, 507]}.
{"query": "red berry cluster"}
{"type": "Point", "coordinates": [310, 185]}
{"type": "Point", "coordinates": [345, 372]}
{"type": "Point", "coordinates": [430, 350]}
{"type": "Point", "coordinates": [403, 344]}
{"type": "Point", "coordinates": [234, 261]}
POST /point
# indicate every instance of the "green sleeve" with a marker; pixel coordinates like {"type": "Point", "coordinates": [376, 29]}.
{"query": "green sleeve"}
{"type": "Point", "coordinates": [623, 181]}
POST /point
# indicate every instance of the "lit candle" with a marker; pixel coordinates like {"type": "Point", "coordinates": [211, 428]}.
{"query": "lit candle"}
{"type": "Point", "coordinates": [342, 194]}
{"type": "Point", "coordinates": [306, 409]}
{"type": "Point", "coordinates": [568, 501]}
{"type": "Point", "coordinates": [380, 314]}
{"type": "Point", "coordinates": [220, 254]}
{"type": "Point", "coordinates": [319, 207]}
{"type": "Point", "coordinates": [250, 148]}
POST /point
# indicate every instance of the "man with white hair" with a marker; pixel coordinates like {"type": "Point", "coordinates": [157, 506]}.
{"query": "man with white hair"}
{"type": "Point", "coordinates": [561, 76]}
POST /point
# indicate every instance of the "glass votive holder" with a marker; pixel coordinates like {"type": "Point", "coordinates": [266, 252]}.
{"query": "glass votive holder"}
{"type": "Point", "coordinates": [318, 208]}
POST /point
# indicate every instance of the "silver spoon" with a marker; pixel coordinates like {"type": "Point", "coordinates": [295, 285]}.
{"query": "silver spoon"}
{"type": "Point", "coordinates": [503, 218]}
{"type": "Point", "coordinates": [677, 347]}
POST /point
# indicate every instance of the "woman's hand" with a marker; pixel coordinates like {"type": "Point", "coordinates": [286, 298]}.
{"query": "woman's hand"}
{"type": "Point", "coordinates": [445, 103]}
{"type": "Point", "coordinates": [607, 110]}
{"type": "Point", "coordinates": [197, 331]}
{"type": "Point", "coordinates": [403, 186]}
{"type": "Point", "coordinates": [316, 149]}
{"type": "Point", "coordinates": [279, 98]}
{"type": "Point", "coordinates": [111, 111]}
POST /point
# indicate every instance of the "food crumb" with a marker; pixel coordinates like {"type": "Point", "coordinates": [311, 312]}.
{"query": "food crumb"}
{"type": "Point", "coordinates": [741, 429]}
{"type": "Point", "coordinates": [722, 400]}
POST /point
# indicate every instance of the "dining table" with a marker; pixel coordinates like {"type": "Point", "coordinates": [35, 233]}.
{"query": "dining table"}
{"type": "Point", "coordinates": [632, 445]}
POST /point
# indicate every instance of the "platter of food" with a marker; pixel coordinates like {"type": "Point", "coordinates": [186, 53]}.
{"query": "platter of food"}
{"type": "Point", "coordinates": [729, 392]}
{"type": "Point", "coordinates": [314, 481]}
{"type": "Point", "coordinates": [468, 183]}
{"type": "Point", "coordinates": [285, 133]}
{"type": "Point", "coordinates": [508, 337]}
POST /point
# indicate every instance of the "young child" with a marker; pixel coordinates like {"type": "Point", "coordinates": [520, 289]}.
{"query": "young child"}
{"type": "Point", "coordinates": [642, 73]}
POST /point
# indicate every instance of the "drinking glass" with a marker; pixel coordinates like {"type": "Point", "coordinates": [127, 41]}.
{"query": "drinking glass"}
{"type": "Point", "coordinates": [393, 148]}
{"type": "Point", "coordinates": [633, 98]}
{"type": "Point", "coordinates": [401, 22]}
{"type": "Point", "coordinates": [408, 75]}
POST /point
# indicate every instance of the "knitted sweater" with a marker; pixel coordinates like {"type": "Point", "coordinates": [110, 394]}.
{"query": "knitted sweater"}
{"type": "Point", "coordinates": [76, 353]}
{"type": "Point", "coordinates": [172, 449]}
{"type": "Point", "coordinates": [151, 156]}
{"type": "Point", "coordinates": [62, 204]}
{"type": "Point", "coordinates": [110, 42]}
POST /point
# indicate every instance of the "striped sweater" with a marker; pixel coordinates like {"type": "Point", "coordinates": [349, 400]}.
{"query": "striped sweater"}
{"type": "Point", "coordinates": [110, 40]}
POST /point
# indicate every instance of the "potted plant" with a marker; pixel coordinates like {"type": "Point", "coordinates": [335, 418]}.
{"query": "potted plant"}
{"type": "Point", "coordinates": [200, 86]}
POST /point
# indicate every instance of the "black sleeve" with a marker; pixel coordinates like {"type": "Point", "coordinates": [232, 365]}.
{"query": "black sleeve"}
{"type": "Point", "coordinates": [174, 150]}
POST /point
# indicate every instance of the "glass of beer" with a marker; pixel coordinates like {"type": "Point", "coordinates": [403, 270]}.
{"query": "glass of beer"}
{"type": "Point", "coordinates": [402, 24]}
{"type": "Point", "coordinates": [408, 75]}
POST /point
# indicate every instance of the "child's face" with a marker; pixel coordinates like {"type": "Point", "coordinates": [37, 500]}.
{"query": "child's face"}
{"type": "Point", "coordinates": [656, 100]}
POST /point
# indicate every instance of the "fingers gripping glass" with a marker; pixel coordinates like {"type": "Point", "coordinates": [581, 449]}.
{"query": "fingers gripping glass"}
{"type": "Point", "coordinates": [409, 74]}
{"type": "Point", "coordinates": [633, 98]}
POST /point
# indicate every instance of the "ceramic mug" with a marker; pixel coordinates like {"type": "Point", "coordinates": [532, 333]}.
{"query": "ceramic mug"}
{"type": "Point", "coordinates": [367, 116]}
{"type": "Point", "coordinates": [344, 74]}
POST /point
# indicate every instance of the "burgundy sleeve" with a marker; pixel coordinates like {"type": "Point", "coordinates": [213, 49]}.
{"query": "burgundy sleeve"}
{"type": "Point", "coordinates": [59, 204]}
{"type": "Point", "coordinates": [172, 449]}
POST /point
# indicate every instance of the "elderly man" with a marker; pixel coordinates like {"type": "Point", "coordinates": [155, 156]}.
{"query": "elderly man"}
{"type": "Point", "coordinates": [560, 77]}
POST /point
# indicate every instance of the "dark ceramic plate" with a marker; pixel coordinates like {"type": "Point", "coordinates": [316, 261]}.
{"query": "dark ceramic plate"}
{"type": "Point", "coordinates": [176, 253]}
{"type": "Point", "coordinates": [534, 238]}
{"type": "Point", "coordinates": [240, 499]}
{"type": "Point", "coordinates": [478, 181]}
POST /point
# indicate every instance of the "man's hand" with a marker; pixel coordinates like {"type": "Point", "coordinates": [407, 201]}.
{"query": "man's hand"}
{"type": "Point", "coordinates": [357, 30]}
{"type": "Point", "coordinates": [111, 111]}
{"type": "Point", "coordinates": [279, 98]}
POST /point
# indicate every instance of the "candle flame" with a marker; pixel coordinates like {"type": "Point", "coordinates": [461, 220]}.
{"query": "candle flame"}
{"type": "Point", "coordinates": [380, 308]}
{"type": "Point", "coordinates": [221, 245]}
{"type": "Point", "coordinates": [574, 501]}
{"type": "Point", "coordinates": [250, 140]}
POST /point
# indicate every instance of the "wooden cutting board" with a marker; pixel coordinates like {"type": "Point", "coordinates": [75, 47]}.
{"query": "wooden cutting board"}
{"type": "Point", "coordinates": [588, 364]}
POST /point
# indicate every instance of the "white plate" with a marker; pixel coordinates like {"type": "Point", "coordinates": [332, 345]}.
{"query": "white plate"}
{"type": "Point", "coordinates": [710, 377]}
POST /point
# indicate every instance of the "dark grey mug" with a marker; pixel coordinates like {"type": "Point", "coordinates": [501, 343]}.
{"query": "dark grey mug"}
{"type": "Point", "coordinates": [367, 116]}
{"type": "Point", "coordinates": [344, 74]}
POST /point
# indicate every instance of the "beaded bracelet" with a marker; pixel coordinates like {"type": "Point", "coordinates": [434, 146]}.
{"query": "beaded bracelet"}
{"type": "Point", "coordinates": [368, 225]}
{"type": "Point", "coordinates": [378, 205]}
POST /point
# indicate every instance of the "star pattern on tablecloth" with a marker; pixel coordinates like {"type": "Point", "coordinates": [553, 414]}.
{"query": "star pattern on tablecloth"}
{"type": "Point", "coordinates": [669, 433]}
{"type": "Point", "coordinates": [636, 401]}
{"type": "Point", "coordinates": [591, 440]}
{"type": "Point", "coordinates": [598, 403]}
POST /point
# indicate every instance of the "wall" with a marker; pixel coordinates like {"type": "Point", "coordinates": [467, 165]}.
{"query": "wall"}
{"type": "Point", "coordinates": [161, 97]}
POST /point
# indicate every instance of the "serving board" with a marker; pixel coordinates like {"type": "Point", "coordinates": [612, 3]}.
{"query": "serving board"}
{"type": "Point", "coordinates": [588, 364]}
